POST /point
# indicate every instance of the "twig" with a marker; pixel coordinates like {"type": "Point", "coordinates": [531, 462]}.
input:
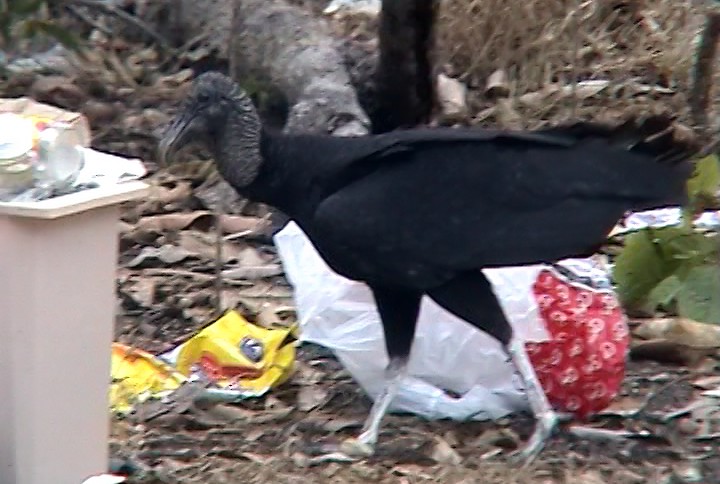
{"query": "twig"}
{"type": "Point", "coordinates": [238, 235]}
{"type": "Point", "coordinates": [703, 72]}
{"type": "Point", "coordinates": [218, 258]}
{"type": "Point", "coordinates": [181, 51]}
{"type": "Point", "coordinates": [120, 69]}
{"type": "Point", "coordinates": [200, 276]}
{"type": "Point", "coordinates": [599, 435]}
{"type": "Point", "coordinates": [652, 395]}
{"type": "Point", "coordinates": [574, 71]}
{"type": "Point", "coordinates": [88, 20]}
{"type": "Point", "coordinates": [125, 17]}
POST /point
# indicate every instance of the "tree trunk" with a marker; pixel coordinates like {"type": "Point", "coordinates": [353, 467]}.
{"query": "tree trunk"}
{"type": "Point", "coordinates": [404, 78]}
{"type": "Point", "coordinates": [277, 44]}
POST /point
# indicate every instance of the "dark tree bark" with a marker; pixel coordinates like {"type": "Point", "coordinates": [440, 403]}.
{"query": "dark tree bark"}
{"type": "Point", "coordinates": [404, 77]}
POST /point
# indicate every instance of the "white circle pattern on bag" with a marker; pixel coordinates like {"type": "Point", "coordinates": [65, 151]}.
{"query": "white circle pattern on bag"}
{"type": "Point", "coordinates": [582, 366]}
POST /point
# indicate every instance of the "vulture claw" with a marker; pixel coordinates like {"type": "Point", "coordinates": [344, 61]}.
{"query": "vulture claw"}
{"type": "Point", "coordinates": [357, 448]}
{"type": "Point", "coordinates": [544, 428]}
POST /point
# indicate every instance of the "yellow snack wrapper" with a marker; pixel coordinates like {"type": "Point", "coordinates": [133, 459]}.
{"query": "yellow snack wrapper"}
{"type": "Point", "coordinates": [238, 355]}
{"type": "Point", "coordinates": [137, 376]}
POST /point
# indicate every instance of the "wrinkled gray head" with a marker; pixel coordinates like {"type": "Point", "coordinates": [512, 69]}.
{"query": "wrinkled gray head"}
{"type": "Point", "coordinates": [220, 115]}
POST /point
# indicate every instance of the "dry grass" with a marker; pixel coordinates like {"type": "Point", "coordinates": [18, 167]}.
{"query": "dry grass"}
{"type": "Point", "coordinates": [643, 47]}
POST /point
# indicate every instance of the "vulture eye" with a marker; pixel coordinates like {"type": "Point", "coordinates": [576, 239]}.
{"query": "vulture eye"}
{"type": "Point", "coordinates": [203, 97]}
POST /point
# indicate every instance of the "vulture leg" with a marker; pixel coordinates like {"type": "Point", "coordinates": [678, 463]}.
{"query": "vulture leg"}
{"type": "Point", "coordinates": [471, 298]}
{"type": "Point", "coordinates": [545, 417]}
{"type": "Point", "coordinates": [398, 310]}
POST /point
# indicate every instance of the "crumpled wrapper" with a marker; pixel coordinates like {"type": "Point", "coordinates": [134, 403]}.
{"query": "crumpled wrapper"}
{"type": "Point", "coordinates": [137, 376]}
{"type": "Point", "coordinates": [42, 114]}
{"type": "Point", "coordinates": [582, 365]}
{"type": "Point", "coordinates": [235, 354]}
{"type": "Point", "coordinates": [231, 353]}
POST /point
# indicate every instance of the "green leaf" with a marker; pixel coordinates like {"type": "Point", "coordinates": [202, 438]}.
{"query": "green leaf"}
{"type": "Point", "coordinates": [651, 256]}
{"type": "Point", "coordinates": [702, 187]}
{"type": "Point", "coordinates": [663, 295]}
{"type": "Point", "coordinates": [640, 267]}
{"type": "Point", "coordinates": [699, 298]}
{"type": "Point", "coordinates": [706, 178]}
{"type": "Point", "coordinates": [24, 8]}
{"type": "Point", "coordinates": [62, 35]}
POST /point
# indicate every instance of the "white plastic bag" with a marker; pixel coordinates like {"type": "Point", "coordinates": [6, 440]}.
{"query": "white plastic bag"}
{"type": "Point", "coordinates": [447, 354]}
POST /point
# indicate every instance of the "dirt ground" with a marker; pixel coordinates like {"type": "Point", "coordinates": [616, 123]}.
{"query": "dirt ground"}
{"type": "Point", "coordinates": [272, 440]}
{"type": "Point", "coordinates": [128, 92]}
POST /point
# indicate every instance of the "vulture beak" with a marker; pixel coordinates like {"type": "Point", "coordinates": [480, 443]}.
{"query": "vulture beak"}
{"type": "Point", "coordinates": [177, 135]}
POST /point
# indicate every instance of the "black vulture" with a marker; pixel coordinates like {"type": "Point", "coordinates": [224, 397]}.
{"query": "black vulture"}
{"type": "Point", "coordinates": [422, 211]}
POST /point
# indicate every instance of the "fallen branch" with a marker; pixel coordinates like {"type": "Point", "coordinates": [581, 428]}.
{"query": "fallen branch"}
{"type": "Point", "coordinates": [703, 72]}
{"type": "Point", "coordinates": [277, 44]}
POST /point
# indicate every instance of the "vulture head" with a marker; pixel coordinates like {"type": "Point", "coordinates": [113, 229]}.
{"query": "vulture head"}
{"type": "Point", "coordinates": [221, 116]}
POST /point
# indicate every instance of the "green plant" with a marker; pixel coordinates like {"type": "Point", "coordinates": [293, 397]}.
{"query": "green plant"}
{"type": "Point", "coordinates": [27, 19]}
{"type": "Point", "coordinates": [676, 269]}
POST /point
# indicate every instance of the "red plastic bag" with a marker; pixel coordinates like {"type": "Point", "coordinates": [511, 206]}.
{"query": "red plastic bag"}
{"type": "Point", "coordinates": [582, 366]}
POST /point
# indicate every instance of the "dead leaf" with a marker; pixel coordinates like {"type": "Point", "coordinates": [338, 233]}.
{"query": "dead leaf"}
{"type": "Point", "coordinates": [257, 458]}
{"type": "Point", "coordinates": [501, 437]}
{"type": "Point", "coordinates": [264, 289]}
{"type": "Point", "coordinates": [412, 470]}
{"type": "Point", "coordinates": [452, 97]}
{"type": "Point", "coordinates": [707, 383]}
{"type": "Point", "coordinates": [623, 407]}
{"type": "Point", "coordinates": [233, 224]}
{"type": "Point", "coordinates": [160, 196]}
{"type": "Point", "coordinates": [337, 424]}
{"type": "Point", "coordinates": [311, 396]}
{"type": "Point", "coordinates": [443, 453]}
{"type": "Point", "coordinates": [58, 90]}
{"type": "Point", "coordinates": [252, 266]}
{"type": "Point", "coordinates": [306, 374]}
{"type": "Point", "coordinates": [216, 194]}
{"type": "Point", "coordinates": [585, 89]}
{"type": "Point", "coordinates": [625, 476]}
{"type": "Point", "coordinates": [533, 99]}
{"type": "Point", "coordinates": [675, 340]}
{"type": "Point", "coordinates": [506, 115]}
{"type": "Point", "coordinates": [98, 113]}
{"type": "Point", "coordinates": [668, 352]}
{"type": "Point", "coordinates": [166, 254]}
{"type": "Point", "coordinates": [497, 85]}
{"type": "Point", "coordinates": [590, 477]}
{"type": "Point", "coordinates": [681, 331]}
{"type": "Point", "coordinates": [199, 220]}
{"type": "Point", "coordinates": [272, 315]}
{"type": "Point", "coordinates": [688, 472]}
{"type": "Point", "coordinates": [203, 245]}
{"type": "Point", "coordinates": [252, 273]}
{"type": "Point", "coordinates": [142, 291]}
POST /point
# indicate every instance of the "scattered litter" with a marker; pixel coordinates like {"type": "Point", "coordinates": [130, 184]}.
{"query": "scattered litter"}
{"type": "Point", "coordinates": [452, 95]}
{"type": "Point", "coordinates": [104, 479]}
{"type": "Point", "coordinates": [233, 358]}
{"type": "Point", "coordinates": [665, 217]}
{"type": "Point", "coordinates": [369, 7]}
{"type": "Point", "coordinates": [137, 376]}
{"type": "Point", "coordinates": [235, 354]}
{"type": "Point", "coordinates": [606, 435]}
{"type": "Point", "coordinates": [45, 154]}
